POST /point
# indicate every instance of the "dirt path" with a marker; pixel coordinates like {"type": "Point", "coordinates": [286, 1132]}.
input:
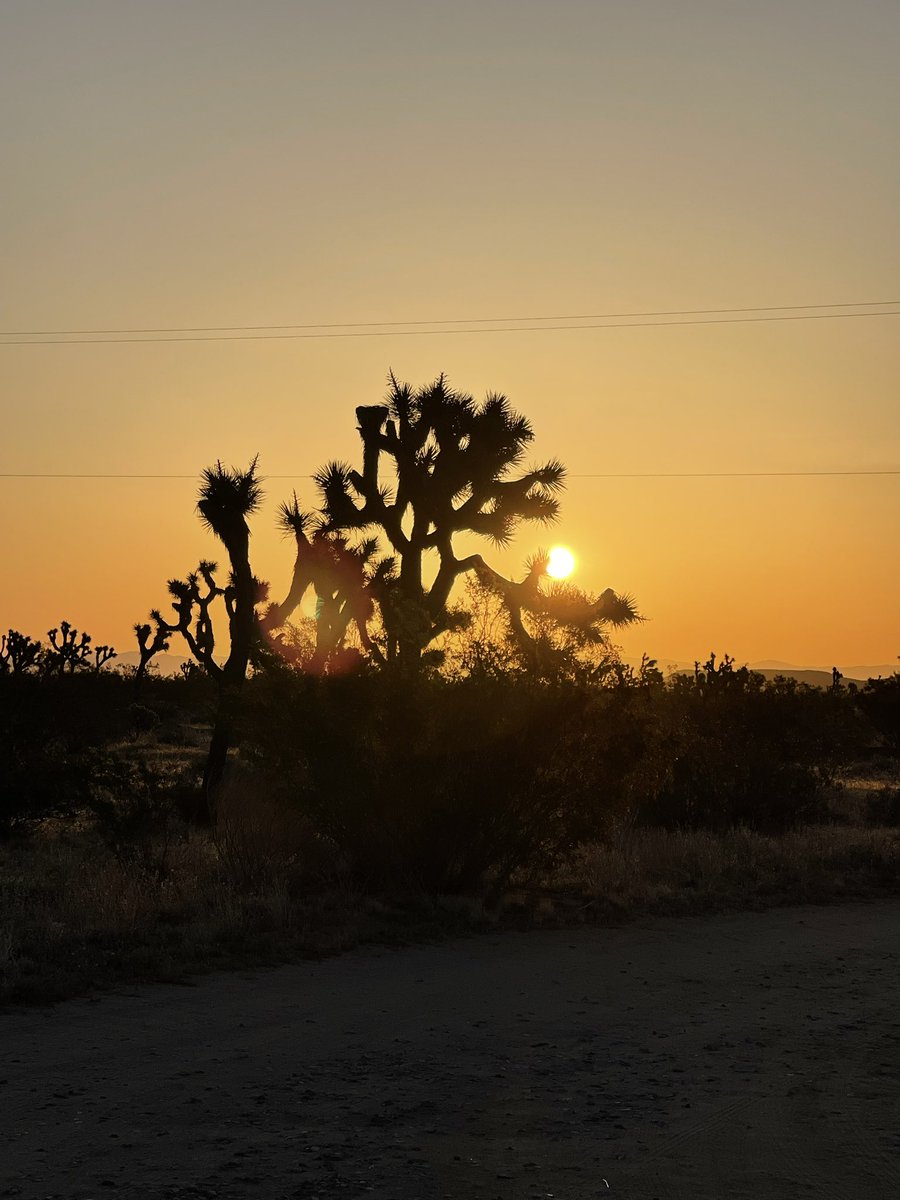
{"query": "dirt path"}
{"type": "Point", "coordinates": [746, 1056]}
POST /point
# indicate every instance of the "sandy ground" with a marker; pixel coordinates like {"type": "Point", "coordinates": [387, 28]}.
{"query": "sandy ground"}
{"type": "Point", "coordinates": [742, 1056]}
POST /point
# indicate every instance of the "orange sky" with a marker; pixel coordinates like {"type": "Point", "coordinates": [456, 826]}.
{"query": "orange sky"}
{"type": "Point", "coordinates": [226, 163]}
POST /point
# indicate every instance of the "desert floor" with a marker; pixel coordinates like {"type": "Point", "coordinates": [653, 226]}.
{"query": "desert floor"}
{"type": "Point", "coordinates": [755, 1055]}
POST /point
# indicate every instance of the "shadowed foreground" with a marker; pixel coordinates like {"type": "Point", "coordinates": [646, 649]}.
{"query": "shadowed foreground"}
{"type": "Point", "coordinates": [750, 1056]}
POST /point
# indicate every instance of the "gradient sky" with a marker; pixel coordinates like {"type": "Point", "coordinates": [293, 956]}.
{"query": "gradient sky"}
{"type": "Point", "coordinates": [197, 163]}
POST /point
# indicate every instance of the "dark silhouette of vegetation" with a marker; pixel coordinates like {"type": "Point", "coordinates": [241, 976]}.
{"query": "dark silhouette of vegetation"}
{"type": "Point", "coordinates": [152, 640]}
{"type": "Point", "coordinates": [554, 631]}
{"type": "Point", "coordinates": [437, 783]}
{"type": "Point", "coordinates": [66, 653]}
{"type": "Point", "coordinates": [428, 784]}
{"type": "Point", "coordinates": [879, 699]}
{"type": "Point", "coordinates": [436, 466]}
{"type": "Point", "coordinates": [228, 496]}
{"type": "Point", "coordinates": [69, 652]}
{"type": "Point", "coordinates": [456, 784]}
{"type": "Point", "coordinates": [730, 748]}
{"type": "Point", "coordinates": [453, 464]}
{"type": "Point", "coordinates": [54, 731]}
{"type": "Point", "coordinates": [345, 580]}
{"type": "Point", "coordinates": [19, 653]}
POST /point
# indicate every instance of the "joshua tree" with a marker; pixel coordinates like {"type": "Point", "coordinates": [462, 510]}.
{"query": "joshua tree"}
{"type": "Point", "coordinates": [345, 582]}
{"type": "Point", "coordinates": [103, 655]}
{"type": "Point", "coordinates": [564, 619]}
{"type": "Point", "coordinates": [151, 640]}
{"type": "Point", "coordinates": [448, 472]}
{"type": "Point", "coordinates": [227, 498]}
{"type": "Point", "coordinates": [19, 653]}
{"type": "Point", "coordinates": [68, 652]}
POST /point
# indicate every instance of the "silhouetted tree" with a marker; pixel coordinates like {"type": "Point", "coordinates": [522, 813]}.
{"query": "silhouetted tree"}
{"type": "Point", "coordinates": [436, 465]}
{"type": "Point", "coordinates": [344, 580]}
{"type": "Point", "coordinates": [151, 640]}
{"type": "Point", "coordinates": [228, 496]}
{"type": "Point", "coordinates": [103, 655]}
{"type": "Point", "coordinates": [554, 625]}
{"type": "Point", "coordinates": [19, 653]}
{"type": "Point", "coordinates": [68, 652]}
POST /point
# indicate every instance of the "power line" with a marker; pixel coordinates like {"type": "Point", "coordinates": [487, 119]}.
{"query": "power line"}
{"type": "Point", "coordinates": [381, 333]}
{"type": "Point", "coordinates": [575, 475]}
{"type": "Point", "coordinates": [722, 474]}
{"type": "Point", "coordinates": [675, 312]}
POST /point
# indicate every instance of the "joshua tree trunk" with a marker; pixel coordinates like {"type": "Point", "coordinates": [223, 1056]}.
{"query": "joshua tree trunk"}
{"type": "Point", "coordinates": [226, 498]}
{"type": "Point", "coordinates": [217, 756]}
{"type": "Point", "coordinates": [234, 672]}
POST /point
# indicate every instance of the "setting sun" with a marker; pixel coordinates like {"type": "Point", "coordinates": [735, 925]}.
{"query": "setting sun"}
{"type": "Point", "coordinates": [561, 563]}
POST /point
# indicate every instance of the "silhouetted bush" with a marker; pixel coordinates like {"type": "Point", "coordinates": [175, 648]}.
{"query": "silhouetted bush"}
{"type": "Point", "coordinates": [445, 786]}
{"type": "Point", "coordinates": [137, 808]}
{"type": "Point", "coordinates": [454, 785]}
{"type": "Point", "coordinates": [879, 699]}
{"type": "Point", "coordinates": [56, 732]}
{"type": "Point", "coordinates": [51, 730]}
{"type": "Point", "coordinates": [733, 749]}
{"type": "Point", "coordinates": [142, 719]}
{"type": "Point", "coordinates": [883, 808]}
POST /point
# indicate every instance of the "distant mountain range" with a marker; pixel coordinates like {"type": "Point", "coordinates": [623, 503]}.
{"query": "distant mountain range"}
{"type": "Point", "coordinates": [769, 667]}
{"type": "Point", "coordinates": [166, 664]}
{"type": "Point", "coordinates": [169, 664]}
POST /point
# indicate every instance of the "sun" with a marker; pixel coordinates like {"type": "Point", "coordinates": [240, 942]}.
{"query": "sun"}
{"type": "Point", "coordinates": [561, 562]}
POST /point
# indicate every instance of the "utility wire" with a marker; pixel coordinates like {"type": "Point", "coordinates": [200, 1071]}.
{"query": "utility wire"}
{"type": "Point", "coordinates": [381, 333]}
{"type": "Point", "coordinates": [575, 475]}
{"type": "Point", "coordinates": [675, 312]}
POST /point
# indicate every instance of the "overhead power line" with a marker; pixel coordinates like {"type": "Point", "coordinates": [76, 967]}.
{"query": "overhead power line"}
{"type": "Point", "coordinates": [574, 475]}
{"type": "Point", "coordinates": [608, 316]}
{"type": "Point", "coordinates": [348, 332]}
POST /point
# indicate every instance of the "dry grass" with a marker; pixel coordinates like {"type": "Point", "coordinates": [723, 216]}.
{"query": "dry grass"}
{"type": "Point", "coordinates": [644, 871]}
{"type": "Point", "coordinates": [78, 912]}
{"type": "Point", "coordinates": [77, 915]}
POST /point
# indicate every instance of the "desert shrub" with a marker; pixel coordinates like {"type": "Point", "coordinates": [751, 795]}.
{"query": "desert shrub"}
{"type": "Point", "coordinates": [879, 700]}
{"type": "Point", "coordinates": [138, 807]}
{"type": "Point", "coordinates": [732, 749]}
{"type": "Point", "coordinates": [425, 783]}
{"type": "Point", "coordinates": [51, 730]}
{"type": "Point", "coordinates": [263, 841]}
{"type": "Point", "coordinates": [33, 785]}
{"type": "Point", "coordinates": [452, 785]}
{"type": "Point", "coordinates": [56, 732]}
{"type": "Point", "coordinates": [142, 719]}
{"type": "Point", "coordinates": [883, 808]}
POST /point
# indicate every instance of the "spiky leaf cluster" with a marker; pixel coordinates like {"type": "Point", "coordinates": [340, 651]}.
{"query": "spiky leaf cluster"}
{"type": "Point", "coordinates": [228, 496]}
{"type": "Point", "coordinates": [554, 623]}
{"type": "Point", "coordinates": [438, 460]}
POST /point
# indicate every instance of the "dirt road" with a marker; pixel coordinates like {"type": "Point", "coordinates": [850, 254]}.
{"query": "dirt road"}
{"type": "Point", "coordinates": [743, 1056]}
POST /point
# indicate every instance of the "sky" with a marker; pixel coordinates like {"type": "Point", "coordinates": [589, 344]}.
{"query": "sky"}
{"type": "Point", "coordinates": [284, 163]}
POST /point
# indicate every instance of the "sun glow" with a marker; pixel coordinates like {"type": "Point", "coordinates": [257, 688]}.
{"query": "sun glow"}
{"type": "Point", "coordinates": [561, 562]}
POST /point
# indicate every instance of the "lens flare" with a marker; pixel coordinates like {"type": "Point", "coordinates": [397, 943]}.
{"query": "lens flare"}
{"type": "Point", "coordinates": [561, 562]}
